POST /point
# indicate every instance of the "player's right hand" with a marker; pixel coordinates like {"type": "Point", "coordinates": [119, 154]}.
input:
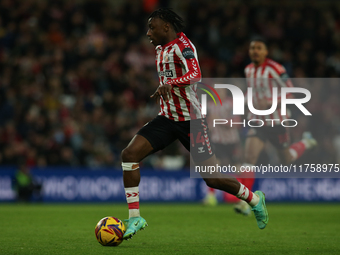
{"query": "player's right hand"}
{"type": "Point", "coordinates": [164, 91]}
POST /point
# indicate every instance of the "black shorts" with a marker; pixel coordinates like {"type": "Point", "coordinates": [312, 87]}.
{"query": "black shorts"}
{"type": "Point", "coordinates": [277, 135]}
{"type": "Point", "coordinates": [193, 134]}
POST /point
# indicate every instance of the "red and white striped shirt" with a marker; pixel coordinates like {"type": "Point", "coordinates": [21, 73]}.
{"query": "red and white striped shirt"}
{"type": "Point", "coordinates": [177, 65]}
{"type": "Point", "coordinates": [262, 79]}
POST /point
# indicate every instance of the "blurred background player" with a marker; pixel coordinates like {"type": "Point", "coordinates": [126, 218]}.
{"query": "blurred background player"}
{"type": "Point", "coordinates": [180, 118]}
{"type": "Point", "coordinates": [25, 185]}
{"type": "Point", "coordinates": [262, 75]}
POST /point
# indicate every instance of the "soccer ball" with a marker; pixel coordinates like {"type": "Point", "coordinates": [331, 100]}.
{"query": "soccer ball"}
{"type": "Point", "coordinates": [109, 231]}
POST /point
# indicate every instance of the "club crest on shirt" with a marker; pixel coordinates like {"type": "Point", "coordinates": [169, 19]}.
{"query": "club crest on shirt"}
{"type": "Point", "coordinates": [166, 58]}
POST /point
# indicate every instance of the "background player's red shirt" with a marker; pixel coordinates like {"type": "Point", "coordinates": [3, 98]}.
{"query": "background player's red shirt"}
{"type": "Point", "coordinates": [262, 79]}
{"type": "Point", "coordinates": [177, 65]}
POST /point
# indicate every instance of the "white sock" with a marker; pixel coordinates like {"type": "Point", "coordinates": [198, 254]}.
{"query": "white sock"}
{"type": "Point", "coordinates": [245, 194]}
{"type": "Point", "coordinates": [132, 193]}
{"type": "Point", "coordinates": [132, 198]}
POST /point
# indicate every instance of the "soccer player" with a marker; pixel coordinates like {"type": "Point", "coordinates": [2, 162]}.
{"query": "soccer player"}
{"type": "Point", "coordinates": [262, 74]}
{"type": "Point", "coordinates": [180, 118]}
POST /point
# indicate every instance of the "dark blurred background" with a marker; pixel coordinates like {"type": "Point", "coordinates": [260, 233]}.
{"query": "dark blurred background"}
{"type": "Point", "coordinates": [76, 76]}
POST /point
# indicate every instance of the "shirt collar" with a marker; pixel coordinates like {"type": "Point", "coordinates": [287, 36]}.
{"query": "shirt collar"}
{"type": "Point", "coordinates": [179, 35]}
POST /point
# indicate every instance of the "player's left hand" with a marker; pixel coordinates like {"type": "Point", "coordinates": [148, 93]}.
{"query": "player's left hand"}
{"type": "Point", "coordinates": [164, 91]}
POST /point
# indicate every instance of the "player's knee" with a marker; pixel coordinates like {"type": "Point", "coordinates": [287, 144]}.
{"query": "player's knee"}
{"type": "Point", "coordinates": [128, 155]}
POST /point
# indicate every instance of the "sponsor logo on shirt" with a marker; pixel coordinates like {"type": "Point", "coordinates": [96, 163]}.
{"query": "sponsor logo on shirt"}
{"type": "Point", "coordinates": [166, 73]}
{"type": "Point", "coordinates": [188, 53]}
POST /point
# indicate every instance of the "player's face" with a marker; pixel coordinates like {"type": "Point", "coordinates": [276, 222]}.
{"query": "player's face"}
{"type": "Point", "coordinates": [157, 31]}
{"type": "Point", "coordinates": [257, 52]}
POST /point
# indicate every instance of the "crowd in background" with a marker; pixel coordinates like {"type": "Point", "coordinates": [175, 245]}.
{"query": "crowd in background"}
{"type": "Point", "coordinates": [76, 77]}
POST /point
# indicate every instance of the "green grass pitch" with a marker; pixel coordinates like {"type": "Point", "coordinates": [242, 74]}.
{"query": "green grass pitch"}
{"type": "Point", "coordinates": [173, 229]}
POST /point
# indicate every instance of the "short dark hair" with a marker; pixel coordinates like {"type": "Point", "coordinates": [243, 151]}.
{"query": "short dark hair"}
{"type": "Point", "coordinates": [170, 16]}
{"type": "Point", "coordinates": [259, 39]}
